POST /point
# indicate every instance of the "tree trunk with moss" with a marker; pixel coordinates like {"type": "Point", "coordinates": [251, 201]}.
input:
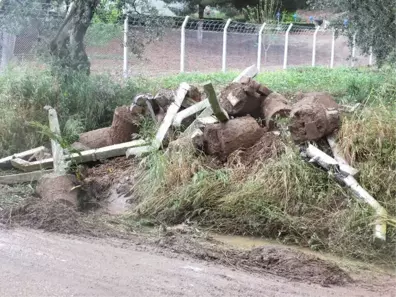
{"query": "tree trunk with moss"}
{"type": "Point", "coordinates": [67, 48]}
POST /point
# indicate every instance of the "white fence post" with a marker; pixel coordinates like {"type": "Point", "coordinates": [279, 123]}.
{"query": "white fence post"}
{"type": "Point", "coordinates": [314, 46]}
{"type": "Point", "coordinates": [259, 48]}
{"type": "Point", "coordinates": [183, 45]}
{"type": "Point", "coordinates": [371, 56]}
{"type": "Point", "coordinates": [332, 49]}
{"type": "Point", "coordinates": [353, 50]}
{"type": "Point", "coordinates": [126, 27]}
{"type": "Point", "coordinates": [286, 46]}
{"type": "Point", "coordinates": [224, 62]}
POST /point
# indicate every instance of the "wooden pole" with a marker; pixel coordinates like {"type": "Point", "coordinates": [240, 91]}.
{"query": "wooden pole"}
{"type": "Point", "coordinates": [218, 111]}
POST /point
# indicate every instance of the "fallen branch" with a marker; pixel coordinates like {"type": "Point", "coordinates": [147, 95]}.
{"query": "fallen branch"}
{"type": "Point", "coordinates": [94, 155]}
{"type": "Point", "coordinates": [5, 163]}
{"type": "Point", "coordinates": [23, 177]}
{"type": "Point", "coordinates": [328, 163]}
{"type": "Point", "coordinates": [190, 111]}
{"type": "Point", "coordinates": [218, 111]}
{"type": "Point", "coordinates": [338, 156]}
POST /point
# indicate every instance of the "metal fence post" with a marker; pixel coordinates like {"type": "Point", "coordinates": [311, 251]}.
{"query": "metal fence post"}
{"type": "Point", "coordinates": [286, 46]}
{"type": "Point", "coordinates": [259, 48]}
{"type": "Point", "coordinates": [332, 49]}
{"type": "Point", "coordinates": [314, 46]}
{"type": "Point", "coordinates": [183, 45]}
{"type": "Point", "coordinates": [371, 56]}
{"type": "Point", "coordinates": [224, 61]}
{"type": "Point", "coordinates": [353, 50]}
{"type": "Point", "coordinates": [126, 27]}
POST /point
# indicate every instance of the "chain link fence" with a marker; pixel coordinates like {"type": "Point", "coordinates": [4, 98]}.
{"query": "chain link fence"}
{"type": "Point", "coordinates": [169, 45]}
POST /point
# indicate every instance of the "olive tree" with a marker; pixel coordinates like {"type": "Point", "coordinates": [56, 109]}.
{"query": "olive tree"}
{"type": "Point", "coordinates": [373, 22]}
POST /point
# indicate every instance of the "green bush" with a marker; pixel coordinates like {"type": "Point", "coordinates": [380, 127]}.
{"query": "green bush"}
{"type": "Point", "coordinates": [83, 103]}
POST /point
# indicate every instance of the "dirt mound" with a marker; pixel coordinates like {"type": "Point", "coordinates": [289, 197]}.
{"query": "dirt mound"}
{"type": "Point", "coordinates": [295, 265]}
{"type": "Point", "coordinates": [53, 216]}
{"type": "Point", "coordinates": [269, 146]}
{"type": "Point", "coordinates": [283, 262]}
{"type": "Point", "coordinates": [113, 178]}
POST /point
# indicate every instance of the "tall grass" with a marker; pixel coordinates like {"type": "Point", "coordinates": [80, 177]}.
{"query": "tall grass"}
{"type": "Point", "coordinates": [83, 103]}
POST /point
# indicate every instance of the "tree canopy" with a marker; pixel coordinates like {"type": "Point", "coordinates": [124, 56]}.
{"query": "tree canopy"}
{"type": "Point", "coordinates": [373, 22]}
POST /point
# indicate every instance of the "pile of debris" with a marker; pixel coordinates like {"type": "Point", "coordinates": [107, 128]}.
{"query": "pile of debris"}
{"type": "Point", "coordinates": [243, 115]}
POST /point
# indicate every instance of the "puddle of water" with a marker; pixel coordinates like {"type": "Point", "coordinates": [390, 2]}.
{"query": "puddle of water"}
{"type": "Point", "coordinates": [247, 243]}
{"type": "Point", "coordinates": [242, 242]}
{"type": "Point", "coordinates": [117, 204]}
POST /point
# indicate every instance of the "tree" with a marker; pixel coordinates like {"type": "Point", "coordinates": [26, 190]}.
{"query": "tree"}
{"type": "Point", "coordinates": [68, 44]}
{"type": "Point", "coordinates": [70, 20]}
{"type": "Point", "coordinates": [192, 5]}
{"type": "Point", "coordinates": [373, 22]}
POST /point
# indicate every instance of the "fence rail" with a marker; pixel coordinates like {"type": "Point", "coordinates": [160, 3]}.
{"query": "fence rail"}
{"type": "Point", "coordinates": [193, 45]}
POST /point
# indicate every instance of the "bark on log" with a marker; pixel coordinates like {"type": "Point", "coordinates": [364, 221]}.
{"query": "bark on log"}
{"type": "Point", "coordinates": [96, 138]}
{"type": "Point", "coordinates": [124, 125]}
{"type": "Point", "coordinates": [240, 100]}
{"type": "Point", "coordinates": [313, 118]}
{"type": "Point", "coordinates": [224, 138]}
{"type": "Point", "coordinates": [273, 106]}
{"type": "Point", "coordinates": [54, 187]}
{"type": "Point", "coordinates": [251, 71]}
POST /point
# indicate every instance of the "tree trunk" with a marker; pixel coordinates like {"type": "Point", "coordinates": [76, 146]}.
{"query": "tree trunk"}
{"type": "Point", "coordinates": [7, 49]}
{"type": "Point", "coordinates": [201, 11]}
{"type": "Point", "coordinates": [68, 46]}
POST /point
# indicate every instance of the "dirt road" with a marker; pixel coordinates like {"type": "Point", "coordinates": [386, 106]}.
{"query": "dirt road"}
{"type": "Point", "coordinates": [42, 264]}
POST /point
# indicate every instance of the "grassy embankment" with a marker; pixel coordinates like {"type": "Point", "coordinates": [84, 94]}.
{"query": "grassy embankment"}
{"type": "Point", "coordinates": [283, 198]}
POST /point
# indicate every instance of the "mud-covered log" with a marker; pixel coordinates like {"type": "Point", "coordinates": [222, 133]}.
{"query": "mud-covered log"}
{"type": "Point", "coordinates": [124, 125]}
{"type": "Point", "coordinates": [275, 105]}
{"type": "Point", "coordinates": [54, 187]}
{"type": "Point", "coordinates": [240, 100]}
{"type": "Point", "coordinates": [224, 138]}
{"type": "Point", "coordinates": [96, 138]}
{"type": "Point", "coordinates": [313, 118]}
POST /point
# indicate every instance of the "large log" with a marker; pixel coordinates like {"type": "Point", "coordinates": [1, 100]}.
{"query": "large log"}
{"type": "Point", "coordinates": [251, 71]}
{"type": "Point", "coordinates": [124, 125]}
{"type": "Point", "coordinates": [224, 138]}
{"type": "Point", "coordinates": [313, 118]}
{"type": "Point", "coordinates": [240, 100]}
{"type": "Point", "coordinates": [275, 105]}
{"type": "Point", "coordinates": [96, 138]}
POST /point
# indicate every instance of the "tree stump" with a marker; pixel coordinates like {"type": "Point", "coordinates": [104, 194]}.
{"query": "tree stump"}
{"type": "Point", "coordinates": [313, 118]}
{"type": "Point", "coordinates": [273, 106]}
{"type": "Point", "coordinates": [224, 138]}
{"type": "Point", "coordinates": [124, 125]}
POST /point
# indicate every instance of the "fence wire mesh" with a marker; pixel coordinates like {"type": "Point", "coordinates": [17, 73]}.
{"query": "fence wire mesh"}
{"type": "Point", "coordinates": [154, 45]}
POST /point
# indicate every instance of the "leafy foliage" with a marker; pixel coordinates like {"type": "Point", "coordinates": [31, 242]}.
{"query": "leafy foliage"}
{"type": "Point", "coordinates": [373, 22]}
